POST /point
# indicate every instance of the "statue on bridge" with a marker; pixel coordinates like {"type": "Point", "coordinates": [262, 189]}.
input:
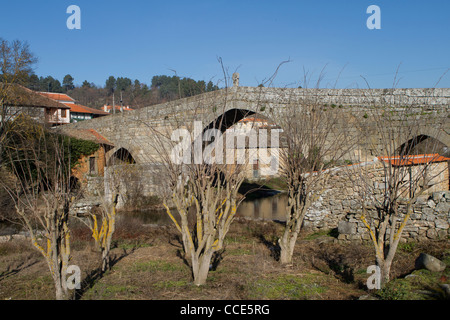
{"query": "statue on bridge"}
{"type": "Point", "coordinates": [235, 79]}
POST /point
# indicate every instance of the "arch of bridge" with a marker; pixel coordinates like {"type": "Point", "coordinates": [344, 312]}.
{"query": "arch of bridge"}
{"type": "Point", "coordinates": [130, 130]}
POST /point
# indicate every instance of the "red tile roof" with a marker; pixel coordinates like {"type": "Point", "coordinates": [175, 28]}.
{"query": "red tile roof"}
{"type": "Point", "coordinates": [57, 96]}
{"type": "Point", "coordinates": [83, 109]}
{"type": "Point", "coordinates": [409, 160]}
{"type": "Point", "coordinates": [253, 119]}
{"type": "Point", "coordinates": [87, 134]}
{"type": "Point", "coordinates": [73, 106]}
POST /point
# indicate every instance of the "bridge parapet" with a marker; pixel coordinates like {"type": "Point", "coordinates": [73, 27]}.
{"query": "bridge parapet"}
{"type": "Point", "coordinates": [132, 130]}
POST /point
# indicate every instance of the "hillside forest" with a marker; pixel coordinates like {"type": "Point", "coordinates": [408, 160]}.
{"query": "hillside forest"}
{"type": "Point", "coordinates": [124, 90]}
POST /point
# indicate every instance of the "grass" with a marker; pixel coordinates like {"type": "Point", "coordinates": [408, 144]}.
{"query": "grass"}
{"type": "Point", "coordinates": [157, 266]}
{"type": "Point", "coordinates": [171, 284]}
{"type": "Point", "coordinates": [291, 287]}
{"type": "Point", "coordinates": [104, 291]}
{"type": "Point", "coordinates": [419, 285]}
{"type": "Point", "coordinates": [325, 233]}
{"type": "Point", "coordinates": [407, 246]}
{"type": "Point", "coordinates": [147, 265]}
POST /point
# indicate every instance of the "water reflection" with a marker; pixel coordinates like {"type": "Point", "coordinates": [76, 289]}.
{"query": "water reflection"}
{"type": "Point", "coordinates": [266, 208]}
{"type": "Point", "coordinates": [271, 207]}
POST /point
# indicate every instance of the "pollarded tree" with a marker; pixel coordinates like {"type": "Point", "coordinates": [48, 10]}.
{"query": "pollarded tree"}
{"type": "Point", "coordinates": [315, 138]}
{"type": "Point", "coordinates": [410, 164]}
{"type": "Point", "coordinates": [102, 221]}
{"type": "Point", "coordinates": [199, 188]}
{"type": "Point", "coordinates": [211, 195]}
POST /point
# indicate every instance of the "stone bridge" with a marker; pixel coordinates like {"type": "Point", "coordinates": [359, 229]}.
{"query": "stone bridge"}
{"type": "Point", "coordinates": [130, 132]}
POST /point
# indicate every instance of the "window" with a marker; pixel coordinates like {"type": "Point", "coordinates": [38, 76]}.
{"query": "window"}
{"type": "Point", "coordinates": [92, 165]}
{"type": "Point", "coordinates": [255, 169]}
{"type": "Point", "coordinates": [63, 113]}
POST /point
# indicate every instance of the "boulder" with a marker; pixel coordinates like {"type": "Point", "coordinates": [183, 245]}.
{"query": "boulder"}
{"type": "Point", "coordinates": [426, 261]}
{"type": "Point", "coordinates": [345, 227]}
{"type": "Point", "coordinates": [84, 206]}
{"type": "Point", "coordinates": [446, 289]}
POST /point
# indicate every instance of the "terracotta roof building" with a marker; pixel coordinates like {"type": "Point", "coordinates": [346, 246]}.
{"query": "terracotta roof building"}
{"type": "Point", "coordinates": [61, 97]}
{"type": "Point", "coordinates": [77, 112]}
{"type": "Point", "coordinates": [80, 113]}
{"type": "Point", "coordinates": [89, 135]}
{"type": "Point", "coordinates": [18, 100]}
{"type": "Point", "coordinates": [91, 165]}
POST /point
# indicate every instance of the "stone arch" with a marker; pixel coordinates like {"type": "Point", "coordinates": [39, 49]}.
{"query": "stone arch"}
{"type": "Point", "coordinates": [259, 164]}
{"type": "Point", "coordinates": [424, 144]}
{"type": "Point", "coordinates": [228, 119]}
{"type": "Point", "coordinates": [233, 116]}
{"type": "Point", "coordinates": [120, 155]}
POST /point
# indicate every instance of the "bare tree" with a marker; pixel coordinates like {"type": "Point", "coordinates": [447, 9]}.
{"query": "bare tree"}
{"type": "Point", "coordinates": [41, 193]}
{"type": "Point", "coordinates": [199, 188]}
{"type": "Point", "coordinates": [102, 223]}
{"type": "Point", "coordinates": [102, 220]}
{"type": "Point", "coordinates": [16, 61]}
{"type": "Point", "coordinates": [314, 139]}
{"type": "Point", "coordinates": [406, 168]}
{"type": "Point", "coordinates": [212, 196]}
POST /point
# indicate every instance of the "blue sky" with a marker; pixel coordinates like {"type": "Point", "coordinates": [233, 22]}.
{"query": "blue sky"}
{"type": "Point", "coordinates": [139, 39]}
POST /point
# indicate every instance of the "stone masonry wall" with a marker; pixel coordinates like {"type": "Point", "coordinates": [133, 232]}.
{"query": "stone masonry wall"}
{"type": "Point", "coordinates": [338, 207]}
{"type": "Point", "coordinates": [430, 220]}
{"type": "Point", "coordinates": [137, 185]}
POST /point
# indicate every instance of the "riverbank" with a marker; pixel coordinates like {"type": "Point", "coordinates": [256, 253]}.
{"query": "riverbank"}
{"type": "Point", "coordinates": [147, 265]}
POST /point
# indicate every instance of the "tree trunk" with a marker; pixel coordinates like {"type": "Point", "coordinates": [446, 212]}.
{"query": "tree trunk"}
{"type": "Point", "coordinates": [288, 240]}
{"type": "Point", "coordinates": [287, 245]}
{"type": "Point", "coordinates": [105, 259]}
{"type": "Point", "coordinates": [61, 290]}
{"type": "Point", "coordinates": [200, 268]}
{"type": "Point", "coordinates": [385, 270]}
{"type": "Point", "coordinates": [58, 273]}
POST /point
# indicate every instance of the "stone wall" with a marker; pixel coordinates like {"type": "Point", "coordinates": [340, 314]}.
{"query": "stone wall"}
{"type": "Point", "coordinates": [137, 185]}
{"type": "Point", "coordinates": [430, 220]}
{"type": "Point", "coordinates": [338, 207]}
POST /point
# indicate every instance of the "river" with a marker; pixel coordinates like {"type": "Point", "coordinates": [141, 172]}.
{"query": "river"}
{"type": "Point", "coordinates": [271, 206]}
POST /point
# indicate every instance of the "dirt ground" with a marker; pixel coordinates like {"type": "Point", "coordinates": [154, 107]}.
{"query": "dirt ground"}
{"type": "Point", "coordinates": [148, 265]}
